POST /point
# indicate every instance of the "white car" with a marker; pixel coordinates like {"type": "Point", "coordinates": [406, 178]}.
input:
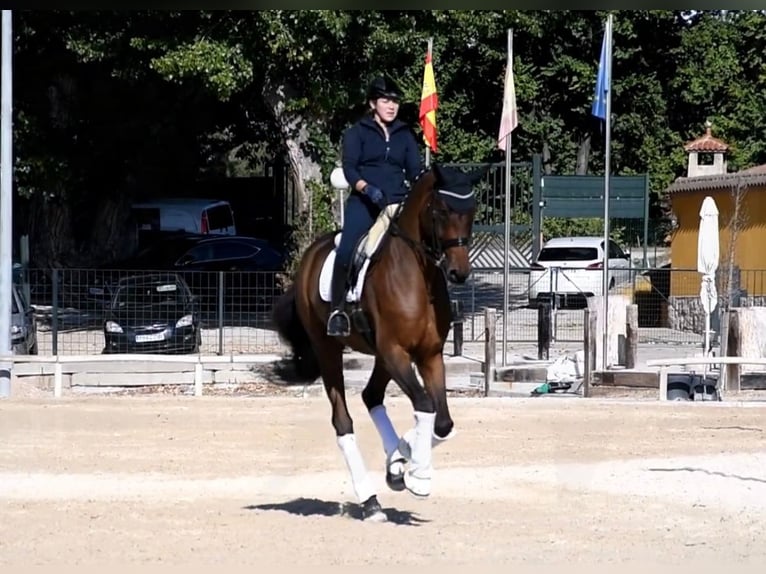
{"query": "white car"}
{"type": "Point", "coordinates": [571, 268]}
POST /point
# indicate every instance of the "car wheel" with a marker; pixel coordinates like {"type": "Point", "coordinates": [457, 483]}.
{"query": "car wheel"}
{"type": "Point", "coordinates": [678, 392]}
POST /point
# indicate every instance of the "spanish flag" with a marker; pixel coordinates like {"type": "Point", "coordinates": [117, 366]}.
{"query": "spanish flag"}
{"type": "Point", "coordinates": [428, 104]}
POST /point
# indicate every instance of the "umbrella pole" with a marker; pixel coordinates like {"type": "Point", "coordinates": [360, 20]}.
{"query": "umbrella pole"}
{"type": "Point", "coordinates": [707, 341]}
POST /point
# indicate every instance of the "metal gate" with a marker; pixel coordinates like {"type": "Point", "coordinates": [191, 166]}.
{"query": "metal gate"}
{"type": "Point", "coordinates": [487, 248]}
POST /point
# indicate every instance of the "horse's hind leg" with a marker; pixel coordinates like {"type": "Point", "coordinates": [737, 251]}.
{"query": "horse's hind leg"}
{"type": "Point", "coordinates": [372, 395]}
{"type": "Point", "coordinates": [331, 366]}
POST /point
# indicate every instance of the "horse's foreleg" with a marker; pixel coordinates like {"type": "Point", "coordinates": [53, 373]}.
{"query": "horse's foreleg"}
{"type": "Point", "coordinates": [332, 374]}
{"type": "Point", "coordinates": [417, 478]}
{"type": "Point", "coordinates": [372, 395]}
{"type": "Point", "coordinates": [434, 380]}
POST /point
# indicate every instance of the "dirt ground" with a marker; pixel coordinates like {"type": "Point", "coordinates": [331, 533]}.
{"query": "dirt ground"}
{"type": "Point", "coordinates": [179, 480]}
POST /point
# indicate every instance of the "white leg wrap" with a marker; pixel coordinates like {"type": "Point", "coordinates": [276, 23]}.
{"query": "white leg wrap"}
{"type": "Point", "coordinates": [385, 428]}
{"type": "Point", "coordinates": [405, 445]}
{"type": "Point", "coordinates": [418, 476]}
{"type": "Point", "coordinates": [359, 478]}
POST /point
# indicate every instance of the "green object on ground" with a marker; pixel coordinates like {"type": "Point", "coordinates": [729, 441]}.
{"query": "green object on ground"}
{"type": "Point", "coordinates": [542, 389]}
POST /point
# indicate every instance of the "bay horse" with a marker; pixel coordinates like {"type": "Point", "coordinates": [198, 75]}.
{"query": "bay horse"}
{"type": "Point", "coordinates": [403, 317]}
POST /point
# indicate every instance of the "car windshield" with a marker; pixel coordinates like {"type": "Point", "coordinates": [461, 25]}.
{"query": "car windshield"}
{"type": "Point", "coordinates": [568, 254]}
{"type": "Point", "coordinates": [148, 295]}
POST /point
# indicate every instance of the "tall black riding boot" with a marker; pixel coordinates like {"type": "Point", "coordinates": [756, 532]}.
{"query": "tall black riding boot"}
{"type": "Point", "coordinates": [338, 325]}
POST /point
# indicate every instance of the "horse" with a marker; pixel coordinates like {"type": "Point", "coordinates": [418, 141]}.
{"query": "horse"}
{"type": "Point", "coordinates": [402, 316]}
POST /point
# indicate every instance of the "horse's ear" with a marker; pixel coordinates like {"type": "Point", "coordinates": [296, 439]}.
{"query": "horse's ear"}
{"type": "Point", "coordinates": [478, 174]}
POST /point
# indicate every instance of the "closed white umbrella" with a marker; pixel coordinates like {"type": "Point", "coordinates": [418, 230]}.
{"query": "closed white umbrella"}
{"type": "Point", "coordinates": [708, 255]}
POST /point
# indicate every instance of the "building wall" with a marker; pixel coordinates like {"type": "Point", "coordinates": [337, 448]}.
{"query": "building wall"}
{"type": "Point", "coordinates": [750, 248]}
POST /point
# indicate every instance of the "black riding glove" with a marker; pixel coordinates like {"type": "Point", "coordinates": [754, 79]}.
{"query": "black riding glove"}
{"type": "Point", "coordinates": [376, 195]}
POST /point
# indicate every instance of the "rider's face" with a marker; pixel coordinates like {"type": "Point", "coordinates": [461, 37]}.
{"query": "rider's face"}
{"type": "Point", "coordinates": [385, 108]}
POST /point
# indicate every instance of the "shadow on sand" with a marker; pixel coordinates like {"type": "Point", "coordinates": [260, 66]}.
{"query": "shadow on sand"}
{"type": "Point", "coordinates": [316, 507]}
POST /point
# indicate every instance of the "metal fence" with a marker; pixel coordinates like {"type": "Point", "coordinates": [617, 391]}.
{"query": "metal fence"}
{"type": "Point", "coordinates": [231, 314]}
{"type": "Point", "coordinates": [72, 306]}
{"type": "Point", "coordinates": [669, 308]}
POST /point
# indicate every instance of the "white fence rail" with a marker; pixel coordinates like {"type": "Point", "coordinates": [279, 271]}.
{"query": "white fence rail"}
{"type": "Point", "coordinates": [58, 362]}
{"type": "Point", "coordinates": [729, 381]}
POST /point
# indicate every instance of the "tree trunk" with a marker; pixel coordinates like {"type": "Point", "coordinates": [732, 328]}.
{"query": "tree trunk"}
{"type": "Point", "coordinates": [737, 222]}
{"type": "Point", "coordinates": [295, 135]}
{"type": "Point", "coordinates": [115, 237]}
{"type": "Point", "coordinates": [583, 156]}
{"type": "Point", "coordinates": [547, 167]}
{"type": "Point", "coordinates": [50, 235]}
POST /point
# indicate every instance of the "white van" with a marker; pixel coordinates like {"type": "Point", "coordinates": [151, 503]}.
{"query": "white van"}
{"type": "Point", "coordinates": [190, 215]}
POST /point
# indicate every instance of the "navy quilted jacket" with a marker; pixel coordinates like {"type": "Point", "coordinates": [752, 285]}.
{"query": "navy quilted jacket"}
{"type": "Point", "coordinates": [385, 164]}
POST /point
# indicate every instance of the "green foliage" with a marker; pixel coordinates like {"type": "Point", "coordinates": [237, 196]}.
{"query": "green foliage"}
{"type": "Point", "coordinates": [311, 224]}
{"type": "Point", "coordinates": [560, 227]}
{"type": "Point", "coordinates": [156, 96]}
{"type": "Point", "coordinates": [222, 68]}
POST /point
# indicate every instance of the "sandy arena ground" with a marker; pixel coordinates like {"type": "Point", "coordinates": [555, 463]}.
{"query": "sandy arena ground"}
{"type": "Point", "coordinates": [178, 480]}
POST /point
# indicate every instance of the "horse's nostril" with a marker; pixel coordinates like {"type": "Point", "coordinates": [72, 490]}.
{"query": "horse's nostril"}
{"type": "Point", "coordinates": [454, 276]}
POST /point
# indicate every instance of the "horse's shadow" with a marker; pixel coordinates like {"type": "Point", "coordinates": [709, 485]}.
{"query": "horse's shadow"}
{"type": "Point", "coordinates": [317, 507]}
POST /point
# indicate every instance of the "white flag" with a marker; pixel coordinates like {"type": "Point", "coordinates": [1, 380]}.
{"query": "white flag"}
{"type": "Point", "coordinates": [509, 119]}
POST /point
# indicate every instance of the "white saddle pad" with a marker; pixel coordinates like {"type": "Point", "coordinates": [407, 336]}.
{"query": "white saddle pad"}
{"type": "Point", "coordinates": [369, 245]}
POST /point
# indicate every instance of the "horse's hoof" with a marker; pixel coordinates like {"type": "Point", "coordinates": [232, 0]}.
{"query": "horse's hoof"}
{"type": "Point", "coordinates": [395, 481]}
{"type": "Point", "coordinates": [418, 487]}
{"type": "Point", "coordinates": [395, 474]}
{"type": "Point", "coordinates": [372, 511]}
{"type": "Point", "coordinates": [437, 440]}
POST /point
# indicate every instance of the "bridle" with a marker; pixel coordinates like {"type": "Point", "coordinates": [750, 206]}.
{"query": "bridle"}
{"type": "Point", "coordinates": [436, 248]}
{"type": "Point", "coordinates": [443, 244]}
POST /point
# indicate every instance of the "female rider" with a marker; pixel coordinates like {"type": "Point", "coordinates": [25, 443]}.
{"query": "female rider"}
{"type": "Point", "coordinates": [380, 157]}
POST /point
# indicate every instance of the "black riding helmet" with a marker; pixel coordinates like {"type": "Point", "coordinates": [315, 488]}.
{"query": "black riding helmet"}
{"type": "Point", "coordinates": [382, 87]}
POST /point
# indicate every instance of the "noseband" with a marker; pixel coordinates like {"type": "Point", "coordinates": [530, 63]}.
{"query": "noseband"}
{"type": "Point", "coordinates": [436, 248]}
{"type": "Point", "coordinates": [443, 244]}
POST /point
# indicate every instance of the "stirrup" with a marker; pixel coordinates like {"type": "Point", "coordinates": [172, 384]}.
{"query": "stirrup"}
{"type": "Point", "coordinates": [344, 330]}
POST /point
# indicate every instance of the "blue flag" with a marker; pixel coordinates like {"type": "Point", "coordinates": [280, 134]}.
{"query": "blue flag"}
{"type": "Point", "coordinates": [603, 84]}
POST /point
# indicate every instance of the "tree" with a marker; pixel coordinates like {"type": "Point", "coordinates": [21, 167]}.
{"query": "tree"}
{"type": "Point", "coordinates": [112, 103]}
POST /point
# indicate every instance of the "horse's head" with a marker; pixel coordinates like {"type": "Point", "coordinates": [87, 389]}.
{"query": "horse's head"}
{"type": "Point", "coordinates": [447, 220]}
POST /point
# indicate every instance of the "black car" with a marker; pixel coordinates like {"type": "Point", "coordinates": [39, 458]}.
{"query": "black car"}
{"type": "Point", "coordinates": [249, 267]}
{"type": "Point", "coordinates": [152, 313]}
{"type": "Point", "coordinates": [207, 253]}
{"type": "Point", "coordinates": [23, 324]}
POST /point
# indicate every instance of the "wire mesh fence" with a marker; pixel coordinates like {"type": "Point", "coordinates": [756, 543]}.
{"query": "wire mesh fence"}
{"type": "Point", "coordinates": [669, 307]}
{"type": "Point", "coordinates": [93, 311]}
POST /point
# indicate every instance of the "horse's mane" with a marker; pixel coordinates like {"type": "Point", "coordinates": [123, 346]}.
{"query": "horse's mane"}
{"type": "Point", "coordinates": [419, 176]}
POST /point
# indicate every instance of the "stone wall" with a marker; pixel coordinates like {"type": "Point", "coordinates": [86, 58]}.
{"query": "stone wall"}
{"type": "Point", "coordinates": [687, 314]}
{"type": "Point", "coordinates": [750, 335]}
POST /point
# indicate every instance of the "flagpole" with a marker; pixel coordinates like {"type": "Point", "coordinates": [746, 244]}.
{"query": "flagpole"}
{"type": "Point", "coordinates": [6, 200]}
{"type": "Point", "coordinates": [607, 177]}
{"type": "Point", "coordinates": [430, 52]}
{"type": "Point", "coordinates": [506, 258]}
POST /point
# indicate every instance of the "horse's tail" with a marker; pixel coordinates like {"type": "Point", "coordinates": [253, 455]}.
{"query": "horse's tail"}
{"type": "Point", "coordinates": [292, 331]}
